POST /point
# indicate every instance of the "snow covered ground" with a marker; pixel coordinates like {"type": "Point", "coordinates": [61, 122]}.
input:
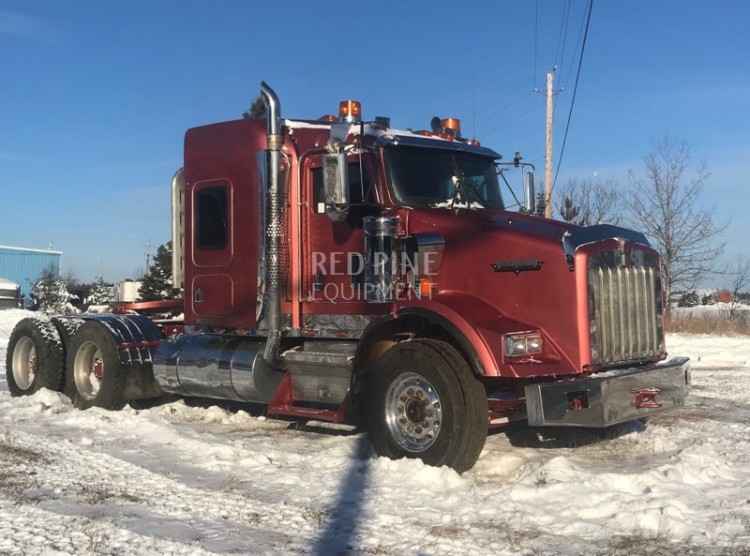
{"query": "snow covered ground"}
{"type": "Point", "coordinates": [180, 479]}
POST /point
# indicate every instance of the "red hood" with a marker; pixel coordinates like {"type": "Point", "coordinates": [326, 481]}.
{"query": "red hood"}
{"type": "Point", "coordinates": [543, 298]}
{"type": "Point", "coordinates": [471, 222]}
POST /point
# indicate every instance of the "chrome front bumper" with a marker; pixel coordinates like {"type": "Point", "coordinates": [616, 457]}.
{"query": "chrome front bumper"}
{"type": "Point", "coordinates": [609, 397]}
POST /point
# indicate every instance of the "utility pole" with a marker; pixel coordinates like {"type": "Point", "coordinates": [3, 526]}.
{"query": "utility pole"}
{"type": "Point", "coordinates": [548, 146]}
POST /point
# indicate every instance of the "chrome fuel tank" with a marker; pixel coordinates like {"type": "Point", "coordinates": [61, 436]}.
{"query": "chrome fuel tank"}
{"type": "Point", "coordinates": [215, 366]}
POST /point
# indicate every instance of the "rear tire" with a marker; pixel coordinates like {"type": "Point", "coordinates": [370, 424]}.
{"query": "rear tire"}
{"type": "Point", "coordinates": [423, 401]}
{"type": "Point", "coordinates": [94, 373]}
{"type": "Point", "coordinates": [34, 359]}
{"type": "Point", "coordinates": [67, 328]}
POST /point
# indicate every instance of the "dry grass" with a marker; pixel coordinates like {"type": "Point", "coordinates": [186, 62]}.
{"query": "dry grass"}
{"type": "Point", "coordinates": [709, 324]}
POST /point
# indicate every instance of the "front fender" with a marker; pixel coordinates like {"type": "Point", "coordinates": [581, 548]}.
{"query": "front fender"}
{"type": "Point", "coordinates": [480, 328]}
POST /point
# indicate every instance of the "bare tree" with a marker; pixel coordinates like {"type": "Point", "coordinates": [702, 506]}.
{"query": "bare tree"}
{"type": "Point", "coordinates": [588, 202]}
{"type": "Point", "coordinates": [740, 283]}
{"type": "Point", "coordinates": [665, 205]}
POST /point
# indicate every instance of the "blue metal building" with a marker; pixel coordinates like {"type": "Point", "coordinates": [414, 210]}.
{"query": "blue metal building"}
{"type": "Point", "coordinates": [24, 266]}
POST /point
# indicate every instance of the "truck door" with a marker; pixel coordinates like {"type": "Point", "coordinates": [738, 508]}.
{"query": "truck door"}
{"type": "Point", "coordinates": [330, 280]}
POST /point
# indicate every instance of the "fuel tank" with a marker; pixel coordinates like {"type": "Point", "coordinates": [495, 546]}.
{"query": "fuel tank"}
{"type": "Point", "coordinates": [216, 366]}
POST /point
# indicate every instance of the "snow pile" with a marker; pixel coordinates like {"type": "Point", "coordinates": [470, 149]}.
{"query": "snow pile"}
{"type": "Point", "coordinates": [181, 479]}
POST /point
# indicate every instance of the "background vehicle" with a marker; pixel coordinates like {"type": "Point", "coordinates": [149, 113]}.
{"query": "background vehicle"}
{"type": "Point", "coordinates": [342, 270]}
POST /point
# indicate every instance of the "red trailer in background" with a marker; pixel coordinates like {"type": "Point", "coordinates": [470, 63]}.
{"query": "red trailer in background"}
{"type": "Point", "coordinates": [343, 270]}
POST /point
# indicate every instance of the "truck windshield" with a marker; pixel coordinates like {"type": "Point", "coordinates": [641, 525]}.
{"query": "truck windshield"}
{"type": "Point", "coordinates": [431, 177]}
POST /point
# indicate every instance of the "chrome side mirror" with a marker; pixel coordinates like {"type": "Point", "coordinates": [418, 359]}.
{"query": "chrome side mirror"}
{"type": "Point", "coordinates": [336, 185]}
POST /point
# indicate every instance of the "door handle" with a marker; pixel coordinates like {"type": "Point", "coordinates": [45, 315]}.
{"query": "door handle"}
{"type": "Point", "coordinates": [198, 295]}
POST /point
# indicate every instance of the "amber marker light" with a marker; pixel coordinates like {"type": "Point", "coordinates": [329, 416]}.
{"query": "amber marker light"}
{"type": "Point", "coordinates": [426, 287]}
{"type": "Point", "coordinates": [350, 111]}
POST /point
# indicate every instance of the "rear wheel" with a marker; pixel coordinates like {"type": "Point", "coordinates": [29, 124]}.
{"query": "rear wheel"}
{"type": "Point", "coordinates": [94, 374]}
{"type": "Point", "coordinates": [34, 359]}
{"type": "Point", "coordinates": [424, 402]}
{"type": "Point", "coordinates": [67, 327]}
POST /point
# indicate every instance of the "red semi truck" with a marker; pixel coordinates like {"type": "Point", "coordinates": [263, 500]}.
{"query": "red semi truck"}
{"type": "Point", "coordinates": [342, 270]}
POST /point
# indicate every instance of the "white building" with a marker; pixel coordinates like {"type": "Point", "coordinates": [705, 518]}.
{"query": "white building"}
{"type": "Point", "coordinates": [9, 294]}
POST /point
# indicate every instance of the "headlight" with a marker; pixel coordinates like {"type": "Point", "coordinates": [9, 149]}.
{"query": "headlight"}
{"type": "Point", "coordinates": [523, 344]}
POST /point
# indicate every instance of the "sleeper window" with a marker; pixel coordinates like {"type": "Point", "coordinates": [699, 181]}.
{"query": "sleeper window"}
{"type": "Point", "coordinates": [212, 224]}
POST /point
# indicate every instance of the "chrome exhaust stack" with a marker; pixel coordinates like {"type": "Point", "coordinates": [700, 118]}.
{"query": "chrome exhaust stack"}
{"type": "Point", "coordinates": [178, 228]}
{"type": "Point", "coordinates": [229, 367]}
{"type": "Point", "coordinates": [274, 228]}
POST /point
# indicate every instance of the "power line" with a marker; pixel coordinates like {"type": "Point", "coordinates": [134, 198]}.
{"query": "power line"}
{"type": "Point", "coordinates": [536, 43]}
{"type": "Point", "coordinates": [563, 37]}
{"type": "Point", "coordinates": [575, 90]}
{"type": "Point", "coordinates": [581, 29]}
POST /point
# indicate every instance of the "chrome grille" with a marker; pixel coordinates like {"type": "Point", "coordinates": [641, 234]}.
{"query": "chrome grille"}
{"type": "Point", "coordinates": [625, 312]}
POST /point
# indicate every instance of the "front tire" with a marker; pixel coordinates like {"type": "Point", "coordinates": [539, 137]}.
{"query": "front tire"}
{"type": "Point", "coordinates": [34, 359]}
{"type": "Point", "coordinates": [94, 373]}
{"type": "Point", "coordinates": [424, 402]}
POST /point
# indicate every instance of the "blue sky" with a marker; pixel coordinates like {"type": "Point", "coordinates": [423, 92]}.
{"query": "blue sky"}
{"type": "Point", "coordinates": [96, 96]}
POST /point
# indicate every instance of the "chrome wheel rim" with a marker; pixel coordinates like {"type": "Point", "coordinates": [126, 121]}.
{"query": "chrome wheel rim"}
{"type": "Point", "coordinates": [88, 370]}
{"type": "Point", "coordinates": [24, 363]}
{"type": "Point", "coordinates": [413, 412]}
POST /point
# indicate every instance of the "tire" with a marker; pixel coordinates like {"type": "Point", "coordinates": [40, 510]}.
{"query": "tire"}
{"type": "Point", "coordinates": [34, 359]}
{"type": "Point", "coordinates": [67, 329]}
{"type": "Point", "coordinates": [93, 371]}
{"type": "Point", "coordinates": [442, 421]}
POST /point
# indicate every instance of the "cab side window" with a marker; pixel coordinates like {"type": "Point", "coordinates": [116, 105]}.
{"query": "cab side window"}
{"type": "Point", "coordinates": [212, 217]}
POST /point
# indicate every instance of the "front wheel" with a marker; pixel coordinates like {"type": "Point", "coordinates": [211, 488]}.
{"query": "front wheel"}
{"type": "Point", "coordinates": [424, 402]}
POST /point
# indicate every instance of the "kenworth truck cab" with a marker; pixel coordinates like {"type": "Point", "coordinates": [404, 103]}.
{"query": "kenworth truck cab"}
{"type": "Point", "coordinates": [341, 270]}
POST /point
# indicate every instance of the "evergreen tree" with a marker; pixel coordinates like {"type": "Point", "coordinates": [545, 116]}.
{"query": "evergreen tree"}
{"type": "Point", "coordinates": [569, 211]}
{"type": "Point", "coordinates": [157, 283]}
{"type": "Point", "coordinates": [101, 293]}
{"type": "Point", "coordinates": [541, 203]}
{"type": "Point", "coordinates": [50, 294]}
{"type": "Point", "coordinates": [689, 299]}
{"type": "Point", "coordinates": [257, 109]}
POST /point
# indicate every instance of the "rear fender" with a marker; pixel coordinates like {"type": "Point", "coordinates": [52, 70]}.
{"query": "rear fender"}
{"type": "Point", "coordinates": [135, 336]}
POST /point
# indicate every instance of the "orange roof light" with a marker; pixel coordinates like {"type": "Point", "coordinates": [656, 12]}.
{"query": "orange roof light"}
{"type": "Point", "coordinates": [350, 111]}
{"type": "Point", "coordinates": [452, 124]}
{"type": "Point", "coordinates": [327, 118]}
